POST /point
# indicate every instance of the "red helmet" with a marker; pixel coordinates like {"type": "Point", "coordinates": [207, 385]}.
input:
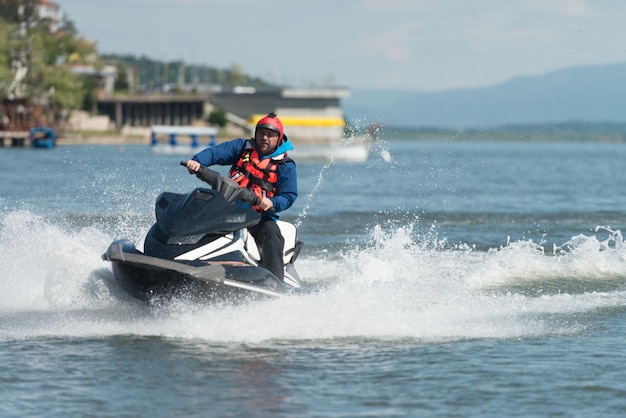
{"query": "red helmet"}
{"type": "Point", "coordinates": [272, 122]}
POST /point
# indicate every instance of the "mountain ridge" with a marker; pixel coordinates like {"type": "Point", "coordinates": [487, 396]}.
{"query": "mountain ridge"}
{"type": "Point", "coordinates": [589, 94]}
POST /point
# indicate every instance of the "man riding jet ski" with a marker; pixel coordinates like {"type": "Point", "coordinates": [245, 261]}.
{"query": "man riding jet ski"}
{"type": "Point", "coordinates": [200, 245]}
{"type": "Point", "coordinates": [262, 165]}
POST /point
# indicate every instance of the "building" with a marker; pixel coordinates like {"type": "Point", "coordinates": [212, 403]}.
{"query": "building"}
{"type": "Point", "coordinates": [51, 12]}
{"type": "Point", "coordinates": [312, 115]}
{"type": "Point", "coordinates": [309, 115]}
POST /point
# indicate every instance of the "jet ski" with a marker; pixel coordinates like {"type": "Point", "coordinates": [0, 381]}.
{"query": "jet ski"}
{"type": "Point", "coordinates": [199, 248]}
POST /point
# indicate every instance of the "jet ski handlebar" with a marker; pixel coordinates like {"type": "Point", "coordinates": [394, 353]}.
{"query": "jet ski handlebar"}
{"type": "Point", "coordinates": [227, 186]}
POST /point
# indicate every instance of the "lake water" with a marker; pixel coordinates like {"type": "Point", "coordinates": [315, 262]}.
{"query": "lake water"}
{"type": "Point", "coordinates": [458, 279]}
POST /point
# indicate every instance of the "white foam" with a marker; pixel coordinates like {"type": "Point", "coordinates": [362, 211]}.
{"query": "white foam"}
{"type": "Point", "coordinates": [398, 285]}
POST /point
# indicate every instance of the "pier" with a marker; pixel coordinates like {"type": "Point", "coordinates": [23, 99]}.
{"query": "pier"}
{"type": "Point", "coordinates": [13, 138]}
{"type": "Point", "coordinates": [166, 139]}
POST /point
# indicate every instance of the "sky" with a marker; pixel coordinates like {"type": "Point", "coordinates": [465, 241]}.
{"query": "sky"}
{"type": "Point", "coordinates": [421, 45]}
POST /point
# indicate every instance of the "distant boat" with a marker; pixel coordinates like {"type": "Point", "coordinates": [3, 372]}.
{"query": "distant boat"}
{"type": "Point", "coordinates": [344, 153]}
{"type": "Point", "coordinates": [353, 149]}
{"type": "Point", "coordinates": [42, 137]}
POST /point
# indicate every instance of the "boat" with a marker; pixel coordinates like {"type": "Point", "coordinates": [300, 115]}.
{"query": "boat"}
{"type": "Point", "coordinates": [357, 153]}
{"type": "Point", "coordinates": [199, 249]}
{"type": "Point", "coordinates": [42, 137]}
{"type": "Point", "coordinates": [354, 149]}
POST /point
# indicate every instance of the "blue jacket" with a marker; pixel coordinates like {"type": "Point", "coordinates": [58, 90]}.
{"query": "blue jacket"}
{"type": "Point", "coordinates": [227, 153]}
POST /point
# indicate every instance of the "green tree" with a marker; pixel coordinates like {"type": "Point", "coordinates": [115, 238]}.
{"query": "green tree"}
{"type": "Point", "coordinates": [6, 75]}
{"type": "Point", "coordinates": [48, 79]}
{"type": "Point", "coordinates": [121, 82]}
{"type": "Point", "coordinates": [13, 13]}
{"type": "Point", "coordinates": [218, 117]}
{"type": "Point", "coordinates": [69, 27]}
{"type": "Point", "coordinates": [64, 89]}
{"type": "Point", "coordinates": [236, 76]}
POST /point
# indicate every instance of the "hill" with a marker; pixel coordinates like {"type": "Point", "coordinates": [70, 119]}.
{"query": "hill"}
{"type": "Point", "coordinates": [592, 94]}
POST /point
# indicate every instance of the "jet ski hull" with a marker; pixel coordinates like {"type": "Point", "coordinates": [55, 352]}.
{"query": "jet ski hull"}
{"type": "Point", "coordinates": [152, 279]}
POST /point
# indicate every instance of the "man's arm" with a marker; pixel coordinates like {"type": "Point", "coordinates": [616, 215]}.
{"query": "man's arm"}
{"type": "Point", "coordinates": [223, 154]}
{"type": "Point", "coordinates": [286, 187]}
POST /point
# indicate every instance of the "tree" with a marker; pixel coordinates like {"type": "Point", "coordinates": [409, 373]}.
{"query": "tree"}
{"type": "Point", "coordinates": [6, 75]}
{"type": "Point", "coordinates": [218, 117]}
{"type": "Point", "coordinates": [121, 82]}
{"type": "Point", "coordinates": [16, 11]}
{"type": "Point", "coordinates": [236, 76]}
{"type": "Point", "coordinates": [64, 89]}
{"type": "Point", "coordinates": [48, 81]}
{"type": "Point", "coordinates": [69, 27]}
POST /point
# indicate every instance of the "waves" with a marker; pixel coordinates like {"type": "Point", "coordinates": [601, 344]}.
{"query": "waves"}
{"type": "Point", "coordinates": [397, 282]}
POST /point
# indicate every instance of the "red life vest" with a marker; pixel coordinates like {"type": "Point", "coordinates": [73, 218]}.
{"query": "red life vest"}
{"type": "Point", "coordinates": [260, 175]}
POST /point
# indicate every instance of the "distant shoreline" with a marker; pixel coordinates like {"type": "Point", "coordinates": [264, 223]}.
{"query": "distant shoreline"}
{"type": "Point", "coordinates": [101, 140]}
{"type": "Point", "coordinates": [541, 133]}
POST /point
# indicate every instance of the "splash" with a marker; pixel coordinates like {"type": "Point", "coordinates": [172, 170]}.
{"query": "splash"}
{"type": "Point", "coordinates": [582, 264]}
{"type": "Point", "coordinates": [312, 195]}
{"type": "Point", "coordinates": [45, 267]}
{"type": "Point", "coordinates": [397, 287]}
{"type": "Point", "coordinates": [401, 283]}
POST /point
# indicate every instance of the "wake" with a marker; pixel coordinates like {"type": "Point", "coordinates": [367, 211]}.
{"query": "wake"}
{"type": "Point", "coordinates": [397, 284]}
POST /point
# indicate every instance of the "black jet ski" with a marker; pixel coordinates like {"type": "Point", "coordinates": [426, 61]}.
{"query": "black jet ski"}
{"type": "Point", "coordinates": [199, 248]}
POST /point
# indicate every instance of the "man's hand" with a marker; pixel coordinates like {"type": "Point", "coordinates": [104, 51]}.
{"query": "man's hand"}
{"type": "Point", "coordinates": [266, 204]}
{"type": "Point", "coordinates": [193, 166]}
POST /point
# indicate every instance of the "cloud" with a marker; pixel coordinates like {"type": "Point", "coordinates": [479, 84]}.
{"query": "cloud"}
{"type": "Point", "coordinates": [427, 44]}
{"type": "Point", "coordinates": [570, 7]}
{"type": "Point", "coordinates": [395, 44]}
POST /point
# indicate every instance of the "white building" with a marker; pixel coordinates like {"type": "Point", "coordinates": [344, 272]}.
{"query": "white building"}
{"type": "Point", "coordinates": [50, 11]}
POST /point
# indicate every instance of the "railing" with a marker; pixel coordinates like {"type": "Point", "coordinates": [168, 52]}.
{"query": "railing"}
{"type": "Point", "coordinates": [175, 132]}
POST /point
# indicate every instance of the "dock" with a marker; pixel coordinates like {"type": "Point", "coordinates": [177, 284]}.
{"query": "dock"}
{"type": "Point", "coordinates": [40, 137]}
{"type": "Point", "coordinates": [13, 138]}
{"type": "Point", "coordinates": [166, 139]}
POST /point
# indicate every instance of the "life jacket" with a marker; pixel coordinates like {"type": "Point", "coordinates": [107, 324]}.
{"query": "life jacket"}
{"type": "Point", "coordinates": [256, 173]}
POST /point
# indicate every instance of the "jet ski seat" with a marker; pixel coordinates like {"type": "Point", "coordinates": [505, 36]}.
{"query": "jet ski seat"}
{"type": "Point", "coordinates": [289, 233]}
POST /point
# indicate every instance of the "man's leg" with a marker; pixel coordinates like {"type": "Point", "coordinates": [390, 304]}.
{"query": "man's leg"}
{"type": "Point", "coordinates": [271, 242]}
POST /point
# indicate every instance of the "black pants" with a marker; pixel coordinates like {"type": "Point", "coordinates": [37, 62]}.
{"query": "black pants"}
{"type": "Point", "coordinates": [271, 243]}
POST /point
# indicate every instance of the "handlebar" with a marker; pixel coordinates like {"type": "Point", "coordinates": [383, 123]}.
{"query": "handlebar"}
{"type": "Point", "coordinates": [225, 185]}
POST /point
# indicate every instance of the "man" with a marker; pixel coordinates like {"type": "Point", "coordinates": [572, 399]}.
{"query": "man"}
{"type": "Point", "coordinates": [261, 164]}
